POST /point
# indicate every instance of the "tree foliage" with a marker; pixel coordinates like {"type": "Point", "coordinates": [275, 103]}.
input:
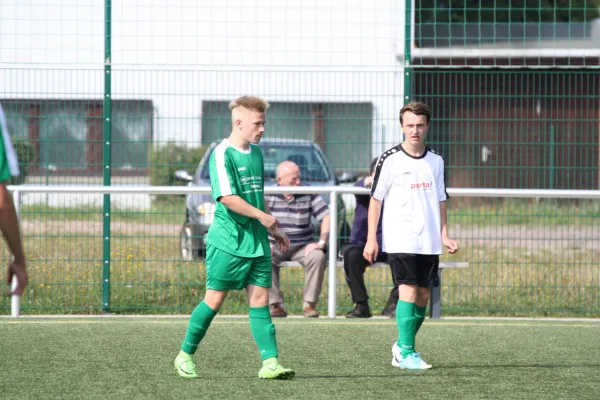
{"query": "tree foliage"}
{"type": "Point", "coordinates": [25, 155]}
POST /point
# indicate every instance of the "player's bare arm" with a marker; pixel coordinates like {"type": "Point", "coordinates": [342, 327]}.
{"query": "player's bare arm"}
{"type": "Point", "coordinates": [237, 204]}
{"type": "Point", "coordinates": [372, 248]}
{"type": "Point", "coordinates": [9, 225]}
{"type": "Point", "coordinates": [450, 244]}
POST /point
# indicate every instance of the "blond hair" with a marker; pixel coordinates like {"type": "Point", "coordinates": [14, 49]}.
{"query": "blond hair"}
{"type": "Point", "coordinates": [417, 108]}
{"type": "Point", "coordinates": [251, 103]}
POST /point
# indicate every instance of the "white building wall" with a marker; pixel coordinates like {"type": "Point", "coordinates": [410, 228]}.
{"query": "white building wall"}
{"type": "Point", "coordinates": [180, 52]}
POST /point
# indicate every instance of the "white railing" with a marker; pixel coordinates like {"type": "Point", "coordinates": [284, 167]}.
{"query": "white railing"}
{"type": "Point", "coordinates": [333, 191]}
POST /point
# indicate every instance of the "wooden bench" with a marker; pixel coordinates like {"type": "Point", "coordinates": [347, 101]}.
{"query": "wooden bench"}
{"type": "Point", "coordinates": [436, 292]}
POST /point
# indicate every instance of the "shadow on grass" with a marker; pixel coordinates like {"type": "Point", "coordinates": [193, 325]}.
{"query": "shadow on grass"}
{"type": "Point", "coordinates": [407, 373]}
{"type": "Point", "coordinates": [498, 366]}
{"type": "Point", "coordinates": [386, 376]}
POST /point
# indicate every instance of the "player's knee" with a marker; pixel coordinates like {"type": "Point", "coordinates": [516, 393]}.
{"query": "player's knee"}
{"type": "Point", "coordinates": [408, 292]}
{"type": "Point", "coordinates": [258, 296]}
{"type": "Point", "coordinates": [214, 299]}
{"type": "Point", "coordinates": [423, 295]}
{"type": "Point", "coordinates": [260, 301]}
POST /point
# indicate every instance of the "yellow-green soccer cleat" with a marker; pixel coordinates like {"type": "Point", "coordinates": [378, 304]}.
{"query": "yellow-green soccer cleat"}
{"type": "Point", "coordinates": [185, 367]}
{"type": "Point", "coordinates": [275, 371]}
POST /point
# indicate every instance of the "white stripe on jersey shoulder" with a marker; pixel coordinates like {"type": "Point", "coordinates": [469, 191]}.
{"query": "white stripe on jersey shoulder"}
{"type": "Point", "coordinates": [222, 177]}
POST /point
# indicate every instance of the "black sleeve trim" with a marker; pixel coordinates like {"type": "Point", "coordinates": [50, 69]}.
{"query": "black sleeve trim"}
{"type": "Point", "coordinates": [380, 162]}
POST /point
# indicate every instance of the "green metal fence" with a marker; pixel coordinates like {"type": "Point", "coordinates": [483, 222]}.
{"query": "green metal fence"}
{"type": "Point", "coordinates": [114, 93]}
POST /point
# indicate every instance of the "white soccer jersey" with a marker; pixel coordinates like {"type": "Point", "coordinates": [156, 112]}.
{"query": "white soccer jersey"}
{"type": "Point", "coordinates": [412, 188]}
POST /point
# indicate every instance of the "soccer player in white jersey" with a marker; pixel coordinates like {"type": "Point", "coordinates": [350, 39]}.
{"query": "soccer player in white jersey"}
{"type": "Point", "coordinates": [238, 255]}
{"type": "Point", "coordinates": [410, 179]}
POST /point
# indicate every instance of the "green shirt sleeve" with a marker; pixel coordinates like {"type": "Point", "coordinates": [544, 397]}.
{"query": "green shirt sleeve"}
{"type": "Point", "coordinates": [4, 168]}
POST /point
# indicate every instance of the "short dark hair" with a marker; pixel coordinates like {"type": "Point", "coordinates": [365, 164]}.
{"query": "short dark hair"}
{"type": "Point", "coordinates": [417, 108]}
{"type": "Point", "coordinates": [373, 165]}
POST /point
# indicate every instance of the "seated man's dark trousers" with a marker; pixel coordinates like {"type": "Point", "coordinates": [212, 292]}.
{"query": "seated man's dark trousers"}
{"type": "Point", "coordinates": [354, 268]}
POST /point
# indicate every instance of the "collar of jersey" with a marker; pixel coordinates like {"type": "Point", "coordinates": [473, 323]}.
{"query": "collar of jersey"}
{"type": "Point", "coordinates": [237, 148]}
{"type": "Point", "coordinates": [413, 157]}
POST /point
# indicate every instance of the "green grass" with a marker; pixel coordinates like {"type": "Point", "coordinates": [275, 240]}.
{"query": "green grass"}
{"type": "Point", "coordinates": [531, 212]}
{"type": "Point", "coordinates": [107, 358]}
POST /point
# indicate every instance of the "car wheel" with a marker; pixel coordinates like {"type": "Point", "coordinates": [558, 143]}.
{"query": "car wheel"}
{"type": "Point", "coordinates": [186, 247]}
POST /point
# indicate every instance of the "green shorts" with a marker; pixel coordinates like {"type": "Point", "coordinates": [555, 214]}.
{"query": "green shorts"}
{"type": "Point", "coordinates": [225, 271]}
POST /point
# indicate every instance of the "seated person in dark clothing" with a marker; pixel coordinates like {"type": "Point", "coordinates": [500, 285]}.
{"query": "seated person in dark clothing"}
{"type": "Point", "coordinates": [354, 262]}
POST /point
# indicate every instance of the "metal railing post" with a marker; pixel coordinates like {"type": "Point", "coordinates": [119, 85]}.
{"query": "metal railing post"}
{"type": "Point", "coordinates": [333, 236]}
{"type": "Point", "coordinates": [15, 301]}
{"type": "Point", "coordinates": [107, 155]}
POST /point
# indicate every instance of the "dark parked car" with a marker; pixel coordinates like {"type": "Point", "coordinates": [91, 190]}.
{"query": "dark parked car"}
{"type": "Point", "coordinates": [315, 169]}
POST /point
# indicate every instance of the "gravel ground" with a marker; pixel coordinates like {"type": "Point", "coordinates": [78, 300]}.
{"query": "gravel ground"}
{"type": "Point", "coordinates": [533, 237]}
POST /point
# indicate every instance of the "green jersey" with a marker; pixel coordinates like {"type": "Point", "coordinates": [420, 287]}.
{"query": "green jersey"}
{"type": "Point", "coordinates": [9, 166]}
{"type": "Point", "coordinates": [237, 172]}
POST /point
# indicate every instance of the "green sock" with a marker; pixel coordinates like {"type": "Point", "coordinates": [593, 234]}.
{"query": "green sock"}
{"type": "Point", "coordinates": [263, 331]}
{"type": "Point", "coordinates": [407, 325]}
{"type": "Point", "coordinates": [199, 322]}
{"type": "Point", "coordinates": [420, 316]}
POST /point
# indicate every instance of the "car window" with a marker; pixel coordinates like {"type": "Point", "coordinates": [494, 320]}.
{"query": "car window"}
{"type": "Point", "coordinates": [313, 166]}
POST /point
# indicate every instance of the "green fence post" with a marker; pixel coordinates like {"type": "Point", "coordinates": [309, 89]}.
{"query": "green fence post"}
{"type": "Point", "coordinates": [551, 144]}
{"type": "Point", "coordinates": [407, 50]}
{"type": "Point", "coordinates": [107, 104]}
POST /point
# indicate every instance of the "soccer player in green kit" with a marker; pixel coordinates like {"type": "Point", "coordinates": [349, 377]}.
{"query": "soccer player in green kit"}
{"type": "Point", "coordinates": [237, 253]}
{"type": "Point", "coordinates": [9, 221]}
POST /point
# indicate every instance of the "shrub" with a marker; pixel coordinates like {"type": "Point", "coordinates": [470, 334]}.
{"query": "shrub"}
{"type": "Point", "coordinates": [165, 160]}
{"type": "Point", "coordinates": [25, 154]}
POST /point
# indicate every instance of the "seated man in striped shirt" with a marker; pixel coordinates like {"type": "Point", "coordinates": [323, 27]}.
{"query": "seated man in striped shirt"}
{"type": "Point", "coordinates": [294, 215]}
